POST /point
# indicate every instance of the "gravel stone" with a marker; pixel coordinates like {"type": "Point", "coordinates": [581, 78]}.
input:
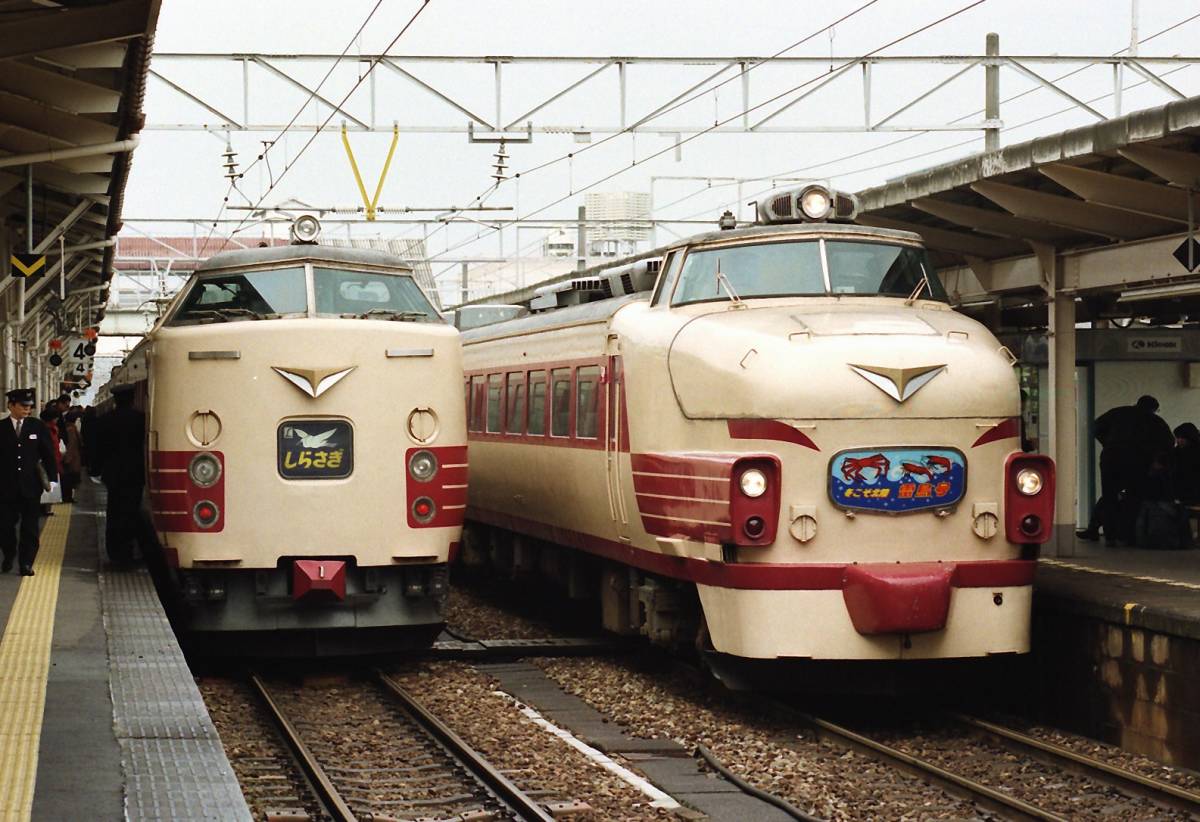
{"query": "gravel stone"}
{"type": "Point", "coordinates": [539, 763]}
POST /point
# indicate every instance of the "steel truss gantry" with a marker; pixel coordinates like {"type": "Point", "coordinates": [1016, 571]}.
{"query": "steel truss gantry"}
{"type": "Point", "coordinates": [184, 75]}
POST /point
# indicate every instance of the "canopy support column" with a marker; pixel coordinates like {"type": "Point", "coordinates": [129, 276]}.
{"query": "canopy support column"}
{"type": "Point", "coordinates": [1063, 404]}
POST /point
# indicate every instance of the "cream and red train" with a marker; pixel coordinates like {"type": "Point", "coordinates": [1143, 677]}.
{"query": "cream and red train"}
{"type": "Point", "coordinates": [306, 449]}
{"type": "Point", "coordinates": [791, 449]}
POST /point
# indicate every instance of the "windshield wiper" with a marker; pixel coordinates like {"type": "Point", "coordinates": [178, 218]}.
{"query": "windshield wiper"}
{"type": "Point", "coordinates": [723, 281]}
{"type": "Point", "coordinates": [921, 286]}
{"type": "Point", "coordinates": [226, 314]}
{"type": "Point", "coordinates": [391, 314]}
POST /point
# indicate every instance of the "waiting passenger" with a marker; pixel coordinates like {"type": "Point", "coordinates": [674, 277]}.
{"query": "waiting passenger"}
{"type": "Point", "coordinates": [1132, 437]}
{"type": "Point", "coordinates": [119, 458]}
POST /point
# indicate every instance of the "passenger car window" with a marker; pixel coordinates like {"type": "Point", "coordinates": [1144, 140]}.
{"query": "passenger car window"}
{"type": "Point", "coordinates": [537, 403]}
{"type": "Point", "coordinates": [495, 384]}
{"type": "Point", "coordinates": [587, 401]}
{"type": "Point", "coordinates": [515, 423]}
{"type": "Point", "coordinates": [477, 406]}
{"type": "Point", "coordinates": [560, 402]}
{"type": "Point", "coordinates": [245, 295]}
{"type": "Point", "coordinates": [370, 294]}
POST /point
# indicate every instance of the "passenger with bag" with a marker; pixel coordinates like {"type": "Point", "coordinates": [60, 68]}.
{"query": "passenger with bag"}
{"type": "Point", "coordinates": [26, 459]}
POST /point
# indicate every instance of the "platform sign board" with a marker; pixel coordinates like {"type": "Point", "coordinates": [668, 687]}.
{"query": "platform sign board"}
{"type": "Point", "coordinates": [893, 480]}
{"type": "Point", "coordinates": [77, 362]}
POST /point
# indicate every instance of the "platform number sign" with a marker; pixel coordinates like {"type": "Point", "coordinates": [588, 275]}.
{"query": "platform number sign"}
{"type": "Point", "coordinates": [79, 361]}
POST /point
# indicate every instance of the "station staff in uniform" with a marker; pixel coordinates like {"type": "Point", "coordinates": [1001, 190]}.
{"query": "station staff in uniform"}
{"type": "Point", "coordinates": [24, 442]}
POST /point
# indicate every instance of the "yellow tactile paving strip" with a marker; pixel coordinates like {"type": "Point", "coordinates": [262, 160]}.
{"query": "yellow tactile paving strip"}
{"type": "Point", "coordinates": [24, 663]}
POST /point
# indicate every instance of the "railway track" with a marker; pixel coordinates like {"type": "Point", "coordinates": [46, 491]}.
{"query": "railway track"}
{"type": "Point", "coordinates": [1002, 800]}
{"type": "Point", "coordinates": [352, 761]}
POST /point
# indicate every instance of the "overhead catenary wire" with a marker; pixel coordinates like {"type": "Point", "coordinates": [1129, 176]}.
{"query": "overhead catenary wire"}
{"type": "Point", "coordinates": [672, 105]}
{"type": "Point", "coordinates": [268, 145]}
{"type": "Point", "coordinates": [930, 152]}
{"type": "Point", "coordinates": [316, 132]}
{"type": "Point", "coordinates": [716, 125]}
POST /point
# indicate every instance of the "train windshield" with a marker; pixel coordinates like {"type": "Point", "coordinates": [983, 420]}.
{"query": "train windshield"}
{"type": "Point", "coordinates": [246, 295]}
{"type": "Point", "coordinates": [793, 269]}
{"type": "Point", "coordinates": [370, 295]}
{"type": "Point", "coordinates": [766, 270]}
{"type": "Point", "coordinates": [878, 268]}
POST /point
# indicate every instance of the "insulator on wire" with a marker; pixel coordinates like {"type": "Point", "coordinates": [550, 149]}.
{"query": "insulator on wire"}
{"type": "Point", "coordinates": [500, 164]}
{"type": "Point", "coordinates": [230, 162]}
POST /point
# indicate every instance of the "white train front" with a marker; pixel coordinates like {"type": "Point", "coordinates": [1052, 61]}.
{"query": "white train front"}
{"type": "Point", "coordinates": [792, 449]}
{"type": "Point", "coordinates": [306, 450]}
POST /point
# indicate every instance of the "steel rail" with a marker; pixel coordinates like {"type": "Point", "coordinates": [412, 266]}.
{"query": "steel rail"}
{"type": "Point", "coordinates": [520, 802]}
{"type": "Point", "coordinates": [331, 801]}
{"type": "Point", "coordinates": [1124, 780]}
{"type": "Point", "coordinates": [989, 798]}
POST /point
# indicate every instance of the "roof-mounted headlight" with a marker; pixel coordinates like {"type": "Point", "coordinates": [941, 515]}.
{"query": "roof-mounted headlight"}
{"type": "Point", "coordinates": [305, 230]}
{"type": "Point", "coordinates": [809, 204]}
{"type": "Point", "coordinates": [815, 202]}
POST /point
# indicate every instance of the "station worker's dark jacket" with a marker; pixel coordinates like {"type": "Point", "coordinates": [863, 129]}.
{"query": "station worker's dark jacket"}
{"type": "Point", "coordinates": [18, 460]}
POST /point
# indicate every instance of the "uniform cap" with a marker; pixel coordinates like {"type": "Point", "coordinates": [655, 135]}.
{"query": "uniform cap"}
{"type": "Point", "coordinates": [24, 396]}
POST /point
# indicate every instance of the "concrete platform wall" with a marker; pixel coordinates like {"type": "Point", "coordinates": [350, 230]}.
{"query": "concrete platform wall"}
{"type": "Point", "coordinates": [1123, 684]}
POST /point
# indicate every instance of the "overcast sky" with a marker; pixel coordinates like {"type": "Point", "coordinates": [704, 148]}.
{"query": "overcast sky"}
{"type": "Point", "coordinates": [179, 174]}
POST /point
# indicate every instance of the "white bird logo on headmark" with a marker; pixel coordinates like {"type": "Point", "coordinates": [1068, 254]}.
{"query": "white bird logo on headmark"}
{"type": "Point", "coordinates": [315, 440]}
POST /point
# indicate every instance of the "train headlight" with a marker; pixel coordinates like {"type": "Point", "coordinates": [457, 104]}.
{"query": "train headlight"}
{"type": "Point", "coordinates": [753, 483]}
{"type": "Point", "coordinates": [204, 469]}
{"type": "Point", "coordinates": [422, 465]}
{"type": "Point", "coordinates": [1029, 482]}
{"type": "Point", "coordinates": [306, 229]}
{"type": "Point", "coordinates": [816, 203]}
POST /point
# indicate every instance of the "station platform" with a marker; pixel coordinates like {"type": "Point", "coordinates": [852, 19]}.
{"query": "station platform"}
{"type": "Point", "coordinates": [1116, 648]}
{"type": "Point", "coordinates": [100, 717]}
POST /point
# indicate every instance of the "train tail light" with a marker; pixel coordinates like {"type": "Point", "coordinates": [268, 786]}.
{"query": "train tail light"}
{"type": "Point", "coordinates": [1028, 498]}
{"type": "Point", "coordinates": [206, 513]}
{"type": "Point", "coordinates": [754, 500]}
{"type": "Point", "coordinates": [423, 509]}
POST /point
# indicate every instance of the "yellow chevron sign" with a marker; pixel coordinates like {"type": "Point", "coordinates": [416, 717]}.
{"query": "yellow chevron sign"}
{"type": "Point", "coordinates": [27, 265]}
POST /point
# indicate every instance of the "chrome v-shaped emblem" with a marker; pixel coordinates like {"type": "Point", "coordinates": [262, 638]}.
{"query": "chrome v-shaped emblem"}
{"type": "Point", "coordinates": [313, 381]}
{"type": "Point", "coordinates": [898, 383]}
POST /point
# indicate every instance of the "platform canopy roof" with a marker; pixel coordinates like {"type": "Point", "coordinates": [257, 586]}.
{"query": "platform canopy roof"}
{"type": "Point", "coordinates": [72, 81]}
{"type": "Point", "coordinates": [1109, 204]}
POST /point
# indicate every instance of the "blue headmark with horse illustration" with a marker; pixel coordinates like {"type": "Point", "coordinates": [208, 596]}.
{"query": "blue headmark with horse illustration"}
{"type": "Point", "coordinates": [897, 480]}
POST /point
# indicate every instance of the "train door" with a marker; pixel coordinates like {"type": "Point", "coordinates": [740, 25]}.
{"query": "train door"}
{"type": "Point", "coordinates": [616, 436]}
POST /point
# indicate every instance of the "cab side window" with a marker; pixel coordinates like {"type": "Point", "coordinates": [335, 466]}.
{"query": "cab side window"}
{"type": "Point", "coordinates": [666, 280]}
